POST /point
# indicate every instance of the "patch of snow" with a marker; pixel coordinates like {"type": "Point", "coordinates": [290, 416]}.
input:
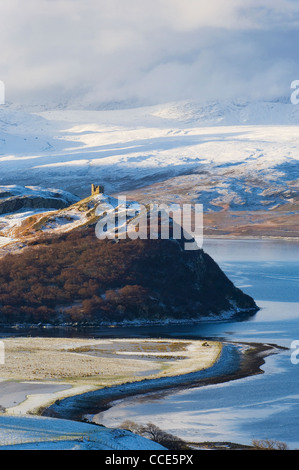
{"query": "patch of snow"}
{"type": "Point", "coordinates": [29, 432]}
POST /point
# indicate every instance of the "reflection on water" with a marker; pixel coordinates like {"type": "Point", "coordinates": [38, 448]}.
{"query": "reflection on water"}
{"type": "Point", "coordinates": [260, 407]}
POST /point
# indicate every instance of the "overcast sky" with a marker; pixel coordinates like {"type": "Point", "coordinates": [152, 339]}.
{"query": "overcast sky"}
{"type": "Point", "coordinates": [147, 51]}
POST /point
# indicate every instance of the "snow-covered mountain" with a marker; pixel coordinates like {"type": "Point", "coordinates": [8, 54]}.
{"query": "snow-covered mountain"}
{"type": "Point", "coordinates": [239, 155]}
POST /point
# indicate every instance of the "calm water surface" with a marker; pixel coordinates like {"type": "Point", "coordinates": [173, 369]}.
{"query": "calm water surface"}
{"type": "Point", "coordinates": [260, 407]}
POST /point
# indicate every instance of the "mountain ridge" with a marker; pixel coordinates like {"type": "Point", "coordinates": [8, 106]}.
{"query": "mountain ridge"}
{"type": "Point", "coordinates": [234, 157]}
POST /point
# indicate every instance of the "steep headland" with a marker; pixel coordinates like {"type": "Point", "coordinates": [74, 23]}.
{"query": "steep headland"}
{"type": "Point", "coordinates": [75, 278]}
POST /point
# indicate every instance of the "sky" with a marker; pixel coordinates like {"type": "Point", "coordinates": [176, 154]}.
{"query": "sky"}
{"type": "Point", "coordinates": [106, 53]}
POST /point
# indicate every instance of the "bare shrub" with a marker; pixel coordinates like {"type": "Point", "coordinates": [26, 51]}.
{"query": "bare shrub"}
{"type": "Point", "coordinates": [154, 433]}
{"type": "Point", "coordinates": [268, 444]}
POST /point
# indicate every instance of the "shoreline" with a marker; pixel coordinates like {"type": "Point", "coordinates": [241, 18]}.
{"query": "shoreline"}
{"type": "Point", "coordinates": [15, 246]}
{"type": "Point", "coordinates": [237, 361]}
{"type": "Point", "coordinates": [252, 237]}
{"type": "Point", "coordinates": [236, 315]}
{"type": "Point", "coordinates": [79, 365]}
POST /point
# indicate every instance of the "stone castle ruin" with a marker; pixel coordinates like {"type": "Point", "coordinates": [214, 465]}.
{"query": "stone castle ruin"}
{"type": "Point", "coordinates": [96, 189]}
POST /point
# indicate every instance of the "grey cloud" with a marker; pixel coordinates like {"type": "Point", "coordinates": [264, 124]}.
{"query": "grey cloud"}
{"type": "Point", "coordinates": [99, 51]}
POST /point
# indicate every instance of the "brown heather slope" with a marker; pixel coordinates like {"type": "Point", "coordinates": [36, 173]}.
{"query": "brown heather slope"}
{"type": "Point", "coordinates": [75, 278]}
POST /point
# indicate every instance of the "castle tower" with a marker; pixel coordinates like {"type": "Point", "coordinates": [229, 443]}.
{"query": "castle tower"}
{"type": "Point", "coordinates": [96, 189]}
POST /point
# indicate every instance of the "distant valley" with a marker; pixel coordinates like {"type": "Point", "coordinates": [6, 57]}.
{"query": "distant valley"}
{"type": "Point", "coordinates": [238, 159]}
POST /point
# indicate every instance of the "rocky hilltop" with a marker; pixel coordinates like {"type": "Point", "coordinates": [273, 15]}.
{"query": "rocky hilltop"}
{"type": "Point", "coordinates": [65, 275]}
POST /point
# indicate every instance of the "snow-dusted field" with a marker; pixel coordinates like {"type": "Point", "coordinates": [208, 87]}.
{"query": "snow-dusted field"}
{"type": "Point", "coordinates": [38, 433]}
{"type": "Point", "coordinates": [43, 370]}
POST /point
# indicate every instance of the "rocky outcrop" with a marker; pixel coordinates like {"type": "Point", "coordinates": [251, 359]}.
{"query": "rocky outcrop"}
{"type": "Point", "coordinates": [17, 203]}
{"type": "Point", "coordinates": [18, 198]}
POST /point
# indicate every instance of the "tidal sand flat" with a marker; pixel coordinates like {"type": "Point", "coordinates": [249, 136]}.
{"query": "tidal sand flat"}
{"type": "Point", "coordinates": [13, 393]}
{"type": "Point", "coordinates": [74, 366]}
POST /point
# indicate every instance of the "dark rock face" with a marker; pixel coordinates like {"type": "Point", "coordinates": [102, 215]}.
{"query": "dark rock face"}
{"type": "Point", "coordinates": [18, 198]}
{"type": "Point", "coordinates": [188, 284]}
{"type": "Point", "coordinates": [17, 203]}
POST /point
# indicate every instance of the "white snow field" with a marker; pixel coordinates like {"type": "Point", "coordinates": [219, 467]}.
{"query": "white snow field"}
{"type": "Point", "coordinates": [39, 433]}
{"type": "Point", "coordinates": [237, 153]}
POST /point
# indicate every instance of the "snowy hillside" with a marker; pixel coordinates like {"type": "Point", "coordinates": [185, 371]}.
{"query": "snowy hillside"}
{"type": "Point", "coordinates": [37, 433]}
{"type": "Point", "coordinates": [18, 203]}
{"type": "Point", "coordinates": [33, 197]}
{"type": "Point", "coordinates": [26, 212]}
{"type": "Point", "coordinates": [242, 155]}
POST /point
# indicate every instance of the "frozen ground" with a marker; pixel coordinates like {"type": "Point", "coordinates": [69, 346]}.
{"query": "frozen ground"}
{"type": "Point", "coordinates": [18, 203]}
{"type": "Point", "coordinates": [24, 358]}
{"type": "Point", "coordinates": [40, 433]}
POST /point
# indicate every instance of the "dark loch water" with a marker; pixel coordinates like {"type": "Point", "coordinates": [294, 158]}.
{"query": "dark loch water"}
{"type": "Point", "coordinates": [260, 407]}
